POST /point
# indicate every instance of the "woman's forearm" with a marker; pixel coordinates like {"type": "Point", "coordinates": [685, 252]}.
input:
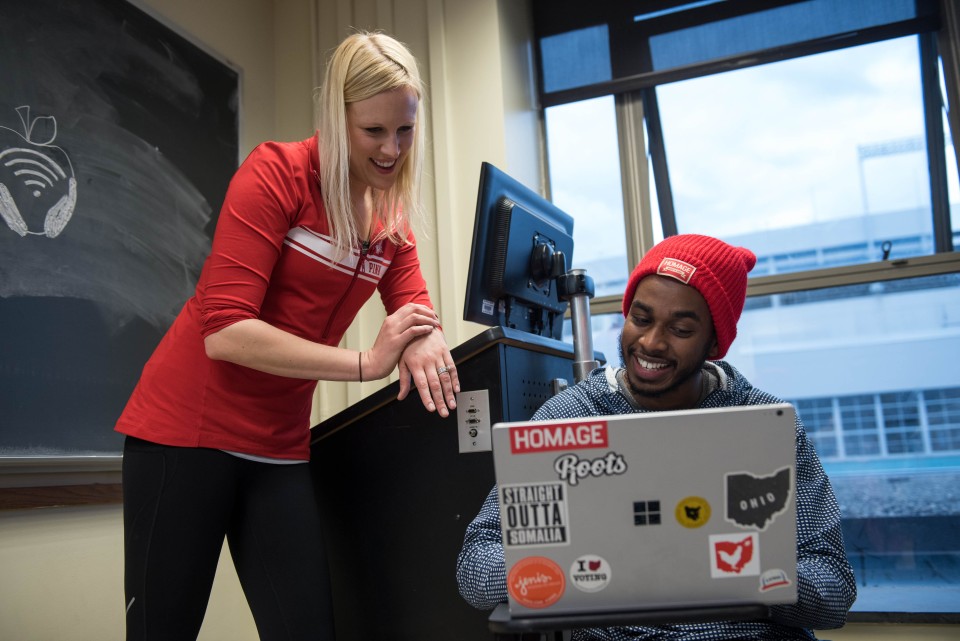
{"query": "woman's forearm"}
{"type": "Point", "coordinates": [263, 347]}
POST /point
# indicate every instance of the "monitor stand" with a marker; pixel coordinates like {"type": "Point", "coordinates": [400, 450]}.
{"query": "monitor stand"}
{"type": "Point", "coordinates": [577, 288]}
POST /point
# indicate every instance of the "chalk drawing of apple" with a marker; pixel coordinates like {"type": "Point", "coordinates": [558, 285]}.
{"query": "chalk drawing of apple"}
{"type": "Point", "coordinates": [38, 188]}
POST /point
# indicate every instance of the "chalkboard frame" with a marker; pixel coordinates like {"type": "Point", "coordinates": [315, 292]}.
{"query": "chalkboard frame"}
{"type": "Point", "coordinates": [98, 468]}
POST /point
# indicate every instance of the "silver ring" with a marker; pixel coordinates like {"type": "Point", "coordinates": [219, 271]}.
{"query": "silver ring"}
{"type": "Point", "coordinates": [442, 370]}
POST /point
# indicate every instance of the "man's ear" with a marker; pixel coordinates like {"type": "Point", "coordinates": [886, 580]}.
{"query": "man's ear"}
{"type": "Point", "coordinates": [714, 350]}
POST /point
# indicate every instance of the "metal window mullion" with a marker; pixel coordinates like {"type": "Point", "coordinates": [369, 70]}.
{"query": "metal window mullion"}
{"type": "Point", "coordinates": [647, 79]}
{"type": "Point", "coordinates": [634, 176]}
{"type": "Point", "coordinates": [924, 422]}
{"type": "Point", "coordinates": [881, 424]}
{"type": "Point", "coordinates": [948, 46]}
{"type": "Point", "coordinates": [914, 267]}
{"type": "Point", "coordinates": [838, 423]}
{"type": "Point", "coordinates": [658, 156]}
{"type": "Point", "coordinates": [936, 153]}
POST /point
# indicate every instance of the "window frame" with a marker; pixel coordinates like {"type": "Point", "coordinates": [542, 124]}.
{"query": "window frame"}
{"type": "Point", "coordinates": [638, 124]}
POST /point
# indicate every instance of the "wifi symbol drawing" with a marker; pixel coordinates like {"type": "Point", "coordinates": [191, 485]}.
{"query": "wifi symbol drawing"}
{"type": "Point", "coordinates": [38, 188]}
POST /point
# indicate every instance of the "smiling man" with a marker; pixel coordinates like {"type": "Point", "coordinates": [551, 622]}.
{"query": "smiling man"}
{"type": "Point", "coordinates": [681, 308]}
{"type": "Point", "coordinates": [687, 295]}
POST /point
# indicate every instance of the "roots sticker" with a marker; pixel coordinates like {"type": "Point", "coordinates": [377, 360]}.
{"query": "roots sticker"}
{"type": "Point", "coordinates": [590, 573]}
{"type": "Point", "coordinates": [692, 512]}
{"type": "Point", "coordinates": [536, 582]}
{"type": "Point", "coordinates": [734, 555]}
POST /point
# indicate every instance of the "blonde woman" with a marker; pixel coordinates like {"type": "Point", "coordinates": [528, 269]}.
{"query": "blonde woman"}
{"type": "Point", "coordinates": [218, 425]}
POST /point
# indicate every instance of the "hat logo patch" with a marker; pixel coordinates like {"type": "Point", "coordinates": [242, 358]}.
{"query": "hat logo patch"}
{"type": "Point", "coordinates": [676, 269]}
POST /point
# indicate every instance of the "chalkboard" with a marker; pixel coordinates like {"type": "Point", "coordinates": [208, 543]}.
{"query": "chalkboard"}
{"type": "Point", "coordinates": [118, 137]}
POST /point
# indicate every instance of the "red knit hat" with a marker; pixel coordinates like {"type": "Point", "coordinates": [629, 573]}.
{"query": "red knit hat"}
{"type": "Point", "coordinates": [715, 269]}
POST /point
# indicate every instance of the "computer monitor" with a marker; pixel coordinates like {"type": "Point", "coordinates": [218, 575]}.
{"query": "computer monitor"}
{"type": "Point", "coordinates": [521, 243]}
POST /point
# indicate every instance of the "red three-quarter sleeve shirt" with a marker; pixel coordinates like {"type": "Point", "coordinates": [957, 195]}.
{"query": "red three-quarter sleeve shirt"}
{"type": "Point", "coordinates": [272, 259]}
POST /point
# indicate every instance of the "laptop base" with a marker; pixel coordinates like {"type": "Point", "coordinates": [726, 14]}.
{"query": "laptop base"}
{"type": "Point", "coordinates": [502, 622]}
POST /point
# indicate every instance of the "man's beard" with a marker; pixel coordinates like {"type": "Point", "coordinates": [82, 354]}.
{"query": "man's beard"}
{"type": "Point", "coordinates": [683, 376]}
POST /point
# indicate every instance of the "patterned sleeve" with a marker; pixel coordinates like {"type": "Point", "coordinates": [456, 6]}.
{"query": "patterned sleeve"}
{"type": "Point", "coordinates": [826, 587]}
{"type": "Point", "coordinates": [481, 571]}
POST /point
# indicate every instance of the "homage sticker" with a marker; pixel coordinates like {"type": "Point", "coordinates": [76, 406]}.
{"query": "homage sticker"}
{"type": "Point", "coordinates": [734, 555]}
{"type": "Point", "coordinates": [564, 435]}
{"type": "Point", "coordinates": [534, 514]}
{"type": "Point", "coordinates": [755, 501]}
{"type": "Point", "coordinates": [536, 582]}
{"type": "Point", "coordinates": [590, 573]}
{"type": "Point", "coordinates": [692, 512]}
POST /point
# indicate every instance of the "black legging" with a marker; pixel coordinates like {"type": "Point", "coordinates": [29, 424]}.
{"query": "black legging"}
{"type": "Point", "coordinates": [179, 503]}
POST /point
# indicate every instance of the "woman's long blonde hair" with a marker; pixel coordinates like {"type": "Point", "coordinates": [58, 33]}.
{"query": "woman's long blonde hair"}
{"type": "Point", "coordinates": [364, 65]}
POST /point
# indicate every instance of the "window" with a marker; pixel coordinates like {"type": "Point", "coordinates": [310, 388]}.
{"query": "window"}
{"type": "Point", "coordinates": [756, 152]}
{"type": "Point", "coordinates": [858, 418]}
{"type": "Point", "coordinates": [585, 182]}
{"type": "Point", "coordinates": [816, 133]}
{"type": "Point", "coordinates": [901, 422]}
{"type": "Point", "coordinates": [879, 396]}
{"type": "Point", "coordinates": [908, 424]}
{"type": "Point", "coordinates": [942, 408]}
{"type": "Point", "coordinates": [820, 422]}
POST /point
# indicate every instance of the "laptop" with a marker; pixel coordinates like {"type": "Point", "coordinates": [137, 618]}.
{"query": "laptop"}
{"type": "Point", "coordinates": [653, 511]}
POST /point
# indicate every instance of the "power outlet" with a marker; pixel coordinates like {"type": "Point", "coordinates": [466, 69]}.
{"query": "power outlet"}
{"type": "Point", "coordinates": [473, 421]}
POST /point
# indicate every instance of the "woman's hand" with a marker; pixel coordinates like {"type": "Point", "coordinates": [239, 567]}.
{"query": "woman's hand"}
{"type": "Point", "coordinates": [410, 322]}
{"type": "Point", "coordinates": [427, 360]}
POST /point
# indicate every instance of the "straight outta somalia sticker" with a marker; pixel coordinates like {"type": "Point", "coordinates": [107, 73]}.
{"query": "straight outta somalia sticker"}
{"type": "Point", "coordinates": [534, 514]}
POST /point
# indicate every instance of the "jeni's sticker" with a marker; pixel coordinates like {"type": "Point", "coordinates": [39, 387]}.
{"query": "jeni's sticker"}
{"type": "Point", "coordinates": [536, 582]}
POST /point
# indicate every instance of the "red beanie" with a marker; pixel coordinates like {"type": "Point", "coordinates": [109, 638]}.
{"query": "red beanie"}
{"type": "Point", "coordinates": [715, 269]}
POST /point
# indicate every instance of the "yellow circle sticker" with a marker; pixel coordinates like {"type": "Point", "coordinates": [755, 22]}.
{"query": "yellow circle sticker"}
{"type": "Point", "coordinates": [692, 512]}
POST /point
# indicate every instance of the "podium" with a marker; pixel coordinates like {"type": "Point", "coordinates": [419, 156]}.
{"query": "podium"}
{"type": "Point", "coordinates": [396, 495]}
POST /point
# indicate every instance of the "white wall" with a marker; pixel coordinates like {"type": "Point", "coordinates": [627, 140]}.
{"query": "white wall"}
{"type": "Point", "coordinates": [62, 578]}
{"type": "Point", "coordinates": [61, 568]}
